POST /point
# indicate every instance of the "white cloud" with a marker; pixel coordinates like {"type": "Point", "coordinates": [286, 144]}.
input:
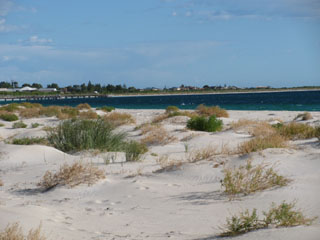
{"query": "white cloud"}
{"type": "Point", "coordinates": [36, 40]}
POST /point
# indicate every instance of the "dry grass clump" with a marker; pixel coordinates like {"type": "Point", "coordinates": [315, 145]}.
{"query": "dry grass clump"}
{"type": "Point", "coordinates": [168, 164]}
{"type": "Point", "coordinates": [213, 110]}
{"type": "Point", "coordinates": [261, 143]}
{"type": "Point", "coordinates": [303, 116]}
{"type": "Point", "coordinates": [294, 131]}
{"type": "Point", "coordinates": [249, 179]}
{"type": "Point", "coordinates": [71, 176]}
{"type": "Point", "coordinates": [156, 135]}
{"type": "Point", "coordinates": [88, 115]}
{"type": "Point", "coordinates": [208, 153]}
{"type": "Point", "coordinates": [170, 113]}
{"type": "Point", "coordinates": [82, 106]}
{"type": "Point", "coordinates": [253, 127]}
{"type": "Point", "coordinates": [14, 232]}
{"type": "Point", "coordinates": [29, 112]}
{"type": "Point", "coordinates": [283, 215]}
{"type": "Point", "coordinates": [118, 119]}
{"type": "Point", "coordinates": [1, 183]}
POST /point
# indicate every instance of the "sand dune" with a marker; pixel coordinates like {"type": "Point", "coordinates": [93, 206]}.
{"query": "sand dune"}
{"type": "Point", "coordinates": [136, 201]}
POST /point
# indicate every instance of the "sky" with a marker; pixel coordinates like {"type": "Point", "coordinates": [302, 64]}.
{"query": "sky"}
{"type": "Point", "coordinates": [161, 43]}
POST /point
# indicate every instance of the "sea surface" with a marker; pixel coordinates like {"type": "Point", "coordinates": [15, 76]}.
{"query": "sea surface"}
{"type": "Point", "coordinates": [291, 101]}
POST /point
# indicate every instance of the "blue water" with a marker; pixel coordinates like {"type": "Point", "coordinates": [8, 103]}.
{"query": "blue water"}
{"type": "Point", "coordinates": [292, 101]}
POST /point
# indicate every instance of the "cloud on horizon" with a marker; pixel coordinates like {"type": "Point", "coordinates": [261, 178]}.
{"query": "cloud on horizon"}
{"type": "Point", "coordinates": [211, 10]}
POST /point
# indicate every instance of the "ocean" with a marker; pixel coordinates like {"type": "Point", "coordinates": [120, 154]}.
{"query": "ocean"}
{"type": "Point", "coordinates": [290, 101]}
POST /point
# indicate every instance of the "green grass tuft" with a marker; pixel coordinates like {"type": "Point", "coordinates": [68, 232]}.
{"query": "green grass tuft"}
{"type": "Point", "coordinates": [211, 124]}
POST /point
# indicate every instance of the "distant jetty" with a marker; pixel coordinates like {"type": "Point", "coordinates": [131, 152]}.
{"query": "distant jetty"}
{"type": "Point", "coordinates": [49, 97]}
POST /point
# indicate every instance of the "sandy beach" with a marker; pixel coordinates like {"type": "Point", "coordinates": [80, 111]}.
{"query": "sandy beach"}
{"type": "Point", "coordinates": [162, 196]}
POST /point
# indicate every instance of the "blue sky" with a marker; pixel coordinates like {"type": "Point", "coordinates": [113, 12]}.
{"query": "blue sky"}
{"type": "Point", "coordinates": [160, 43]}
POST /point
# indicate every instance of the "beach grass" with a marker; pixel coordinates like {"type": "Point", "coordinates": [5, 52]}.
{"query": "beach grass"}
{"type": "Point", "coordinates": [72, 175]}
{"type": "Point", "coordinates": [207, 124]}
{"type": "Point", "coordinates": [14, 232]}
{"type": "Point", "coordinates": [282, 215]}
{"type": "Point", "coordinates": [211, 110]}
{"type": "Point", "coordinates": [249, 178]}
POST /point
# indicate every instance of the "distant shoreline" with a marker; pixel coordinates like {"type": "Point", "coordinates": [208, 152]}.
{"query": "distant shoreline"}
{"type": "Point", "coordinates": [209, 93]}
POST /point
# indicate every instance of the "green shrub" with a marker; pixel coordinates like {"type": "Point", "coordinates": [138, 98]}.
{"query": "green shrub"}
{"type": "Point", "coordinates": [29, 141]}
{"type": "Point", "coordinates": [70, 111]}
{"type": "Point", "coordinates": [317, 132]}
{"type": "Point", "coordinates": [19, 125]}
{"type": "Point", "coordinates": [283, 215]}
{"type": "Point", "coordinates": [35, 125]}
{"type": "Point", "coordinates": [211, 124]}
{"type": "Point", "coordinates": [77, 135]}
{"type": "Point", "coordinates": [106, 108]}
{"type": "Point", "coordinates": [1, 124]}
{"type": "Point", "coordinates": [11, 107]}
{"type": "Point", "coordinates": [9, 117]}
{"type": "Point", "coordinates": [134, 150]}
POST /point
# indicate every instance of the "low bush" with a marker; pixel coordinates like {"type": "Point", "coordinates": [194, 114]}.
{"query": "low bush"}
{"type": "Point", "coordinates": [118, 119]}
{"type": "Point", "coordinates": [283, 215]}
{"type": "Point", "coordinates": [29, 141]}
{"type": "Point", "coordinates": [10, 107]}
{"type": "Point", "coordinates": [249, 179]}
{"type": "Point", "coordinates": [19, 125]}
{"type": "Point", "coordinates": [51, 111]}
{"type": "Point", "coordinates": [14, 232]}
{"type": "Point", "coordinates": [303, 116]}
{"type": "Point", "coordinates": [317, 132]}
{"type": "Point", "coordinates": [213, 110]}
{"type": "Point", "coordinates": [134, 150]}
{"type": "Point", "coordinates": [106, 108]}
{"type": "Point", "coordinates": [211, 124]}
{"type": "Point", "coordinates": [30, 105]}
{"type": "Point", "coordinates": [88, 115]}
{"type": "Point", "coordinates": [294, 131]}
{"type": "Point", "coordinates": [171, 109]}
{"type": "Point", "coordinates": [1, 124]}
{"type": "Point", "coordinates": [9, 117]}
{"type": "Point", "coordinates": [68, 112]}
{"type": "Point", "coordinates": [261, 143]}
{"type": "Point", "coordinates": [82, 106]}
{"type": "Point", "coordinates": [72, 175]}
{"type": "Point", "coordinates": [35, 125]}
{"type": "Point", "coordinates": [77, 135]}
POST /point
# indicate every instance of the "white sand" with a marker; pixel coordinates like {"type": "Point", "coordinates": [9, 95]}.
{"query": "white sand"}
{"type": "Point", "coordinates": [183, 204]}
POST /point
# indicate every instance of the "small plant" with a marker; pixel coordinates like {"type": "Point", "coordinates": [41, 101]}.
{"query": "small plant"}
{"type": "Point", "coordinates": [9, 117]}
{"type": "Point", "coordinates": [186, 147]}
{"type": "Point", "coordinates": [261, 143]}
{"type": "Point", "coordinates": [208, 153]}
{"type": "Point", "coordinates": [283, 215]}
{"type": "Point", "coordinates": [209, 111]}
{"type": "Point", "coordinates": [211, 124]}
{"type": "Point", "coordinates": [134, 150]}
{"type": "Point", "coordinates": [118, 119]}
{"type": "Point", "coordinates": [167, 164]}
{"type": "Point", "coordinates": [1, 124]}
{"type": "Point", "coordinates": [82, 106]}
{"type": "Point", "coordinates": [317, 132]}
{"type": "Point", "coordinates": [157, 135]}
{"type": "Point", "coordinates": [1, 183]}
{"type": "Point", "coordinates": [88, 115]}
{"type": "Point", "coordinates": [249, 179]}
{"type": "Point", "coordinates": [106, 108]}
{"type": "Point", "coordinates": [14, 232]}
{"type": "Point", "coordinates": [11, 107]}
{"type": "Point", "coordinates": [72, 175]}
{"type": "Point", "coordinates": [171, 109]}
{"type": "Point", "coordinates": [19, 124]}
{"type": "Point", "coordinates": [51, 111]}
{"type": "Point", "coordinates": [303, 116]}
{"type": "Point", "coordinates": [29, 141]}
{"type": "Point", "coordinates": [35, 125]}
{"type": "Point", "coordinates": [68, 112]}
{"type": "Point", "coordinates": [294, 131]}
{"type": "Point", "coordinates": [243, 223]}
